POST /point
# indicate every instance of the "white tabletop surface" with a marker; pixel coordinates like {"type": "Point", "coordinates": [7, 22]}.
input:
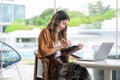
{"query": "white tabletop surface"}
{"type": "Point", "coordinates": [108, 63]}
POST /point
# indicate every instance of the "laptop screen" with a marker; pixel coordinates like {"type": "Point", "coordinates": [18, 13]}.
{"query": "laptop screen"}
{"type": "Point", "coordinates": [104, 50]}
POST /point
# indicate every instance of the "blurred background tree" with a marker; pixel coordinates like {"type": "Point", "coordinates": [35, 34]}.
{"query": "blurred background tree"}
{"type": "Point", "coordinates": [96, 14]}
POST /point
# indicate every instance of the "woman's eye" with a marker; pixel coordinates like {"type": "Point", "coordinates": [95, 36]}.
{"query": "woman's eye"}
{"type": "Point", "coordinates": [64, 24]}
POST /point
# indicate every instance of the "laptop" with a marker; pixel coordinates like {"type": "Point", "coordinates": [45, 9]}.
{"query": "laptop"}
{"type": "Point", "coordinates": [102, 52]}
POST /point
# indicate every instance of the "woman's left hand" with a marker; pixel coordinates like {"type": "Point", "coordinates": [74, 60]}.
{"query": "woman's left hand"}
{"type": "Point", "coordinates": [80, 46]}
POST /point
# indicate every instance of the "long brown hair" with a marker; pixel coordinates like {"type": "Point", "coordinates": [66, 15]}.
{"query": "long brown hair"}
{"type": "Point", "coordinates": [53, 24]}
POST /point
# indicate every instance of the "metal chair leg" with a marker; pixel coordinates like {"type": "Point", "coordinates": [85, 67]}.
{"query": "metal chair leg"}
{"type": "Point", "coordinates": [18, 72]}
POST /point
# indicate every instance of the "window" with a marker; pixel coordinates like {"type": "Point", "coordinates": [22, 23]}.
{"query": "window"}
{"type": "Point", "coordinates": [0, 11]}
{"type": "Point", "coordinates": [19, 12]}
{"type": "Point", "coordinates": [27, 40]}
{"type": "Point", "coordinates": [99, 24]}
{"type": "Point", "coordinates": [7, 13]}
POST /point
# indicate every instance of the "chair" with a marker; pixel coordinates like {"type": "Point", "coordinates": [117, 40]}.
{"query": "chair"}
{"type": "Point", "coordinates": [36, 65]}
{"type": "Point", "coordinates": [43, 64]}
{"type": "Point", "coordinates": [9, 57]}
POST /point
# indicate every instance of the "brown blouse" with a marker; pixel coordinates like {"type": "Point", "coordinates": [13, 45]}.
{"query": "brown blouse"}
{"type": "Point", "coordinates": [49, 62]}
{"type": "Point", "coordinates": [44, 43]}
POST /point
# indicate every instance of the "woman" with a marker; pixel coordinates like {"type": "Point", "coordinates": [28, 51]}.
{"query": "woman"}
{"type": "Point", "coordinates": [51, 50]}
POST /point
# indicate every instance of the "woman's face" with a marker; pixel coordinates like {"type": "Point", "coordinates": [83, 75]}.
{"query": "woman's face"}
{"type": "Point", "coordinates": [62, 25]}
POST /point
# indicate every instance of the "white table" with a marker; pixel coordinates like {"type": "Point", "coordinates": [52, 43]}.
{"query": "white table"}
{"type": "Point", "coordinates": [107, 65]}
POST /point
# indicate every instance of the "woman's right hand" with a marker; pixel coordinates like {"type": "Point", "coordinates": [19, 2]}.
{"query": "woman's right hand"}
{"type": "Point", "coordinates": [66, 43]}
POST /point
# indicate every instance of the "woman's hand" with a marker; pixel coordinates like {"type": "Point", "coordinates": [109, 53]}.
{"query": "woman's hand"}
{"type": "Point", "coordinates": [80, 46]}
{"type": "Point", "coordinates": [66, 43]}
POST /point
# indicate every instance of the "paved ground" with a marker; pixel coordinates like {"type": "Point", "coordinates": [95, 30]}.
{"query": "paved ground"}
{"type": "Point", "coordinates": [26, 72]}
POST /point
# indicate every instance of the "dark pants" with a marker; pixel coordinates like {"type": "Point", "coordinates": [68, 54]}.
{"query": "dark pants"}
{"type": "Point", "coordinates": [71, 71]}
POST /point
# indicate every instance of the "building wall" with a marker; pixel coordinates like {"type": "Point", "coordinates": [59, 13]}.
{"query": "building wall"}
{"type": "Point", "coordinates": [10, 12]}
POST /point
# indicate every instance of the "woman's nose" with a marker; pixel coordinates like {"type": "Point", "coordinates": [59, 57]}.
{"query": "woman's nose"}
{"type": "Point", "coordinates": [63, 27]}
